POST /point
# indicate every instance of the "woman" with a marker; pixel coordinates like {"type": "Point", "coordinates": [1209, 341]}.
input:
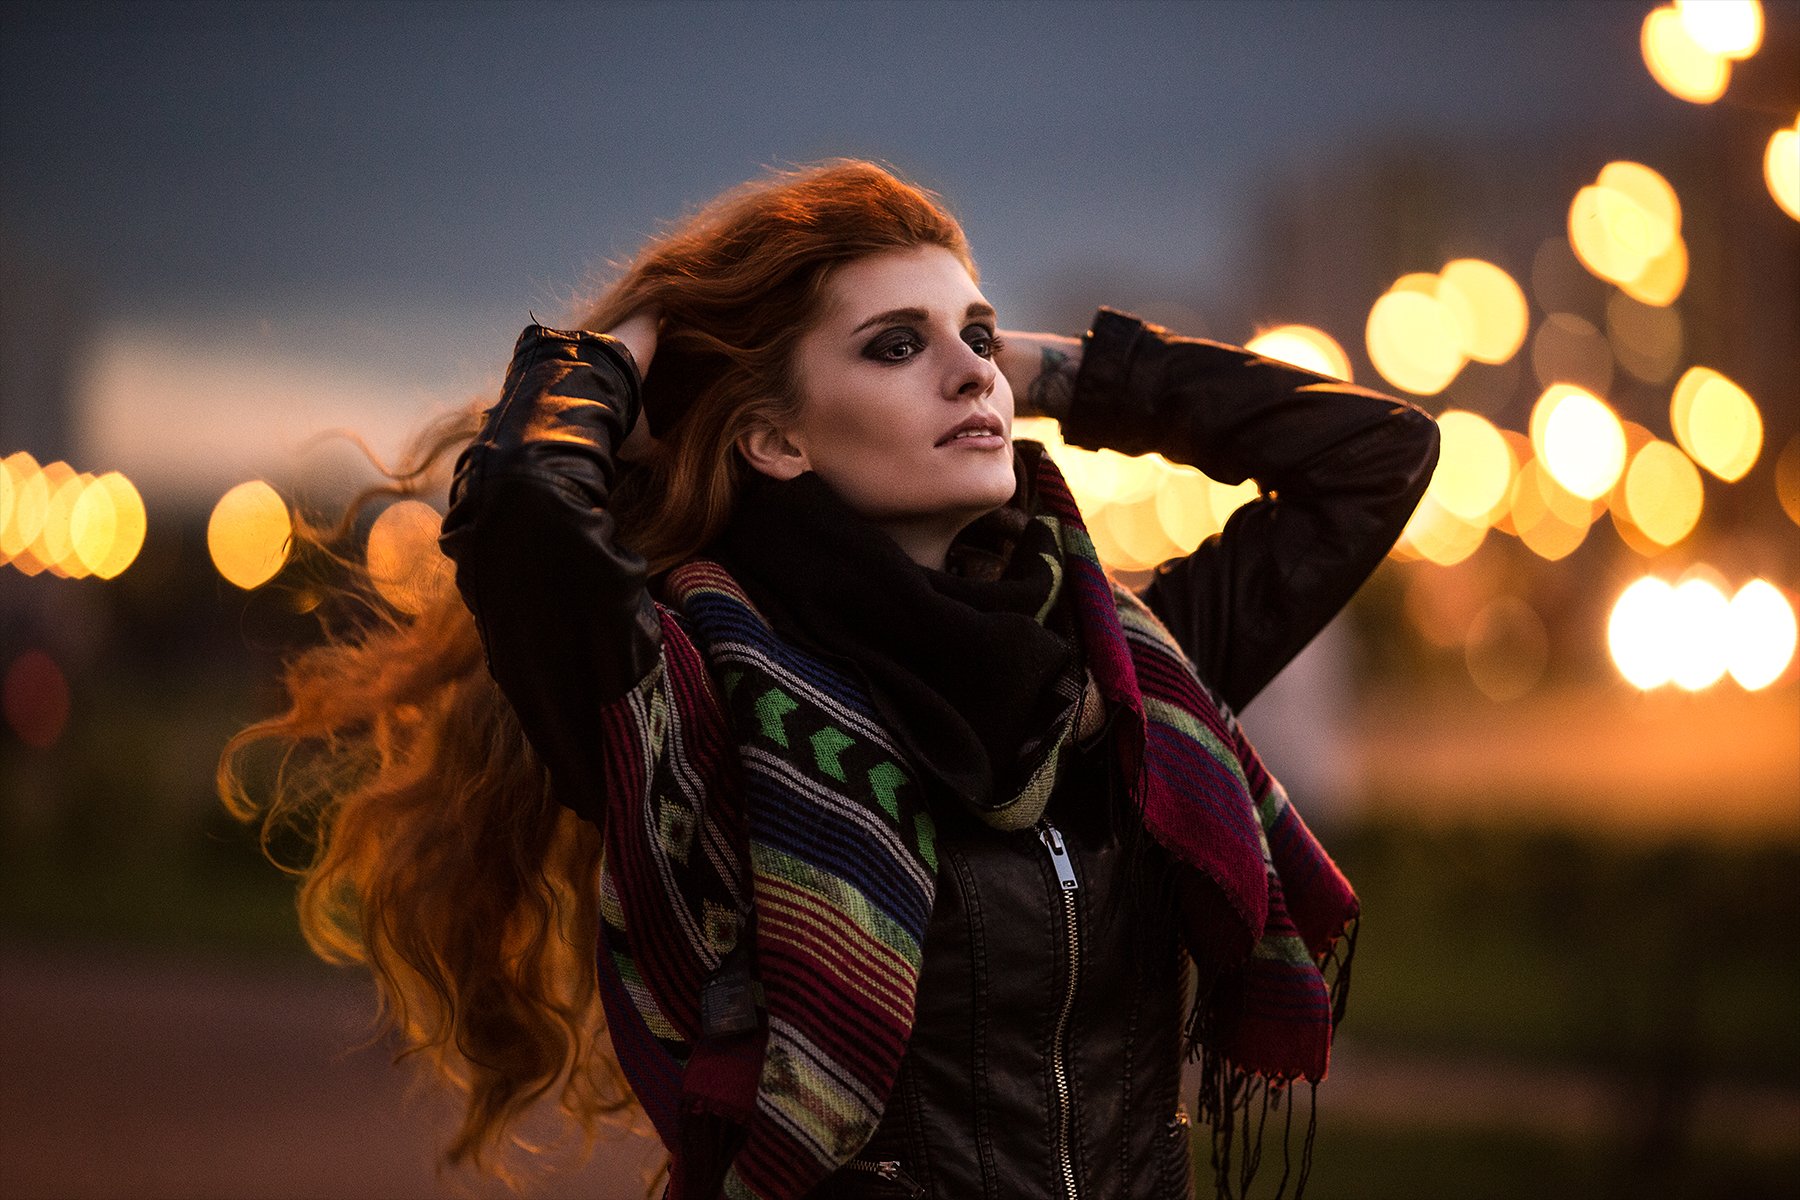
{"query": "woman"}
{"type": "Point", "coordinates": [904, 817]}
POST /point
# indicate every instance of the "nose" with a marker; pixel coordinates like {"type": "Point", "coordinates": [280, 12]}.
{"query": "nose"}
{"type": "Point", "coordinates": [974, 376]}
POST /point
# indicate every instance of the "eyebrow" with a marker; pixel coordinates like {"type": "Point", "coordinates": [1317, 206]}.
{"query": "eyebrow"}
{"type": "Point", "coordinates": [920, 315]}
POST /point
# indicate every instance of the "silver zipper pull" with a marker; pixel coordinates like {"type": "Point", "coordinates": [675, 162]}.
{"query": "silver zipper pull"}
{"type": "Point", "coordinates": [1059, 855]}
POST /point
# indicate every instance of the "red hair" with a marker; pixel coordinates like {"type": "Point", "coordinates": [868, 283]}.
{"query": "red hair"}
{"type": "Point", "coordinates": [438, 858]}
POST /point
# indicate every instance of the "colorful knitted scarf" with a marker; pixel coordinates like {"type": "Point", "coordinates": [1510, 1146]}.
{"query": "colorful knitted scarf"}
{"type": "Point", "coordinates": [769, 872]}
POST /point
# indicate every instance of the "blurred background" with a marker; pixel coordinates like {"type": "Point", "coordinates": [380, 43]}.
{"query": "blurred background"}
{"type": "Point", "coordinates": [1555, 741]}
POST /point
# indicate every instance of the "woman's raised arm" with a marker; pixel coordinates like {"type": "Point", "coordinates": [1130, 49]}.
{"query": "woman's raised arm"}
{"type": "Point", "coordinates": [1340, 469]}
{"type": "Point", "coordinates": [563, 611]}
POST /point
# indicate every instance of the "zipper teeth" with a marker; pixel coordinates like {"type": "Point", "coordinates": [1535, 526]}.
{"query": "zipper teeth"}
{"type": "Point", "coordinates": [1058, 1048]}
{"type": "Point", "coordinates": [886, 1169]}
{"type": "Point", "coordinates": [1058, 1065]}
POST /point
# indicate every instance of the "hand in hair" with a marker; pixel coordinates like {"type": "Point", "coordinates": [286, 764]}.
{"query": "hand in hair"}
{"type": "Point", "coordinates": [638, 332]}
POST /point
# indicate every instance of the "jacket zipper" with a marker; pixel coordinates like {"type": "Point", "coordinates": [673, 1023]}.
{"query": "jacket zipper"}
{"type": "Point", "coordinates": [889, 1170]}
{"type": "Point", "coordinates": [1059, 1067]}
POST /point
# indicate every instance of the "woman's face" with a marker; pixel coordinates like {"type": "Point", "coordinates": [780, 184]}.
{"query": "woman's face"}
{"type": "Point", "coordinates": [900, 358]}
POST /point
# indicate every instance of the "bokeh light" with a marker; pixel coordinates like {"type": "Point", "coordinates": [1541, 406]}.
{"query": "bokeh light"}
{"type": "Point", "coordinates": [1551, 520]}
{"type": "Point", "coordinates": [1414, 341]}
{"type": "Point", "coordinates": [1043, 430]}
{"type": "Point", "coordinates": [1637, 632]}
{"type": "Point", "coordinates": [405, 565]}
{"type": "Point", "coordinates": [1506, 649]}
{"type": "Point", "coordinates": [248, 534]}
{"type": "Point", "coordinates": [1716, 422]}
{"type": "Point", "coordinates": [1227, 498]}
{"type": "Point", "coordinates": [1184, 506]}
{"type": "Point", "coordinates": [1646, 339]}
{"type": "Point", "coordinates": [1134, 477]}
{"type": "Point", "coordinates": [1728, 28]}
{"type": "Point", "coordinates": [1568, 349]}
{"type": "Point", "coordinates": [1690, 635]}
{"type": "Point", "coordinates": [1662, 278]}
{"type": "Point", "coordinates": [1781, 168]}
{"type": "Point", "coordinates": [1138, 533]}
{"type": "Point", "coordinates": [51, 545]}
{"type": "Point", "coordinates": [107, 526]}
{"type": "Point", "coordinates": [1626, 229]}
{"type": "Point", "coordinates": [30, 500]}
{"type": "Point", "coordinates": [54, 544]}
{"type": "Point", "coordinates": [1613, 237]}
{"type": "Point", "coordinates": [35, 699]}
{"type": "Point", "coordinates": [1141, 510]}
{"type": "Point", "coordinates": [1438, 535]}
{"type": "Point", "coordinates": [1683, 66]}
{"type": "Point", "coordinates": [1658, 218]}
{"type": "Point", "coordinates": [1662, 495]}
{"type": "Point", "coordinates": [8, 491]}
{"type": "Point", "coordinates": [1787, 479]}
{"type": "Point", "coordinates": [1698, 645]}
{"type": "Point", "coordinates": [1760, 635]}
{"type": "Point", "coordinates": [1305, 347]}
{"type": "Point", "coordinates": [1522, 456]}
{"type": "Point", "coordinates": [1488, 305]}
{"type": "Point", "coordinates": [71, 525]}
{"type": "Point", "coordinates": [1579, 440]}
{"type": "Point", "coordinates": [1475, 467]}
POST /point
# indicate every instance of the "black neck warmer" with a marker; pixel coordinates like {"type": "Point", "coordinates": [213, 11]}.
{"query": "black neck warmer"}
{"type": "Point", "coordinates": [974, 668]}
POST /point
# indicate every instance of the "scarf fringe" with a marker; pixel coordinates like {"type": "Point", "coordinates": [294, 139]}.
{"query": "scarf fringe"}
{"type": "Point", "coordinates": [1234, 1101]}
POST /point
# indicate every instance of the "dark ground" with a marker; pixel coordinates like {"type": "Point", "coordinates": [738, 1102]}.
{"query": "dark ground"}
{"type": "Point", "coordinates": [132, 1074]}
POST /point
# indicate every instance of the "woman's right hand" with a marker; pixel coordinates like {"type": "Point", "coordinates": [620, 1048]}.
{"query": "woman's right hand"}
{"type": "Point", "coordinates": [638, 332]}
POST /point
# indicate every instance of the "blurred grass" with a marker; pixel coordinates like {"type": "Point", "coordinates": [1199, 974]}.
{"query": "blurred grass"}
{"type": "Point", "coordinates": [116, 837]}
{"type": "Point", "coordinates": [1549, 944]}
{"type": "Point", "coordinates": [214, 894]}
{"type": "Point", "coordinates": [1362, 1163]}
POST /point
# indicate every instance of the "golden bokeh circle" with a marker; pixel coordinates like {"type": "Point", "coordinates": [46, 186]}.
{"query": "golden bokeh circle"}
{"type": "Point", "coordinates": [1683, 67]}
{"type": "Point", "coordinates": [1578, 439]}
{"type": "Point", "coordinates": [405, 565]}
{"type": "Point", "coordinates": [1414, 341]}
{"type": "Point", "coordinates": [1303, 346]}
{"type": "Point", "coordinates": [248, 534]}
{"type": "Point", "coordinates": [1475, 467]}
{"type": "Point", "coordinates": [1490, 306]}
{"type": "Point", "coordinates": [1663, 496]}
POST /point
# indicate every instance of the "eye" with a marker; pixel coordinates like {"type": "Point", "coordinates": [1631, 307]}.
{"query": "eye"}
{"type": "Point", "coordinates": [983, 340]}
{"type": "Point", "coordinates": [898, 348]}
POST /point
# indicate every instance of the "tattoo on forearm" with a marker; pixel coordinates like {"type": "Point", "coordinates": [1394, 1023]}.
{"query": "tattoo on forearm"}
{"type": "Point", "coordinates": [1052, 393]}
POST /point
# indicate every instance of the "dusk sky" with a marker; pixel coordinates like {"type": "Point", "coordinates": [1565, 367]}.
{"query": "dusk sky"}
{"type": "Point", "coordinates": [289, 215]}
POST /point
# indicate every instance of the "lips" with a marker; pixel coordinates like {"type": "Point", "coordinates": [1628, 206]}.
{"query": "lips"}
{"type": "Point", "coordinates": [979, 423]}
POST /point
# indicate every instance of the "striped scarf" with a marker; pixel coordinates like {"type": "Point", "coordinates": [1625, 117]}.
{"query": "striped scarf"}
{"type": "Point", "coordinates": [769, 872]}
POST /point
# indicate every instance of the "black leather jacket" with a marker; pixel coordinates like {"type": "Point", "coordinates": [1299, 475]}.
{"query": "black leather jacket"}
{"type": "Point", "coordinates": [1044, 1058]}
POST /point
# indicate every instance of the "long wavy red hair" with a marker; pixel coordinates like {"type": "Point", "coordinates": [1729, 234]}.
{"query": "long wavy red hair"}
{"type": "Point", "coordinates": [435, 854]}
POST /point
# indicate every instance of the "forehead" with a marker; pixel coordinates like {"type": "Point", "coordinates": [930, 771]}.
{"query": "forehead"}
{"type": "Point", "coordinates": [928, 277]}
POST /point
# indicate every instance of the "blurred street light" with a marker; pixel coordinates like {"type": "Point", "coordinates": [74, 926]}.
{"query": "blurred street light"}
{"type": "Point", "coordinates": [248, 534]}
{"type": "Point", "coordinates": [1781, 168]}
{"type": "Point", "coordinates": [1716, 422]}
{"type": "Point", "coordinates": [1685, 68]}
{"type": "Point", "coordinates": [1690, 635]}
{"type": "Point", "coordinates": [1305, 347]}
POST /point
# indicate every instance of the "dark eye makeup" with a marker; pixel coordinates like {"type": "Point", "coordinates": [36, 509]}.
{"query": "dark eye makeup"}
{"type": "Point", "coordinates": [902, 344]}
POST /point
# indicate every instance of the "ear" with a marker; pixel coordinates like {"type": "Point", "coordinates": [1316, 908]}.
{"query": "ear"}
{"type": "Point", "coordinates": [770, 451]}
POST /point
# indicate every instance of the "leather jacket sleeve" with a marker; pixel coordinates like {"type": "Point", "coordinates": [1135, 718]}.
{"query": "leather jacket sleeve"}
{"type": "Point", "coordinates": [1340, 469]}
{"type": "Point", "coordinates": [563, 611]}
